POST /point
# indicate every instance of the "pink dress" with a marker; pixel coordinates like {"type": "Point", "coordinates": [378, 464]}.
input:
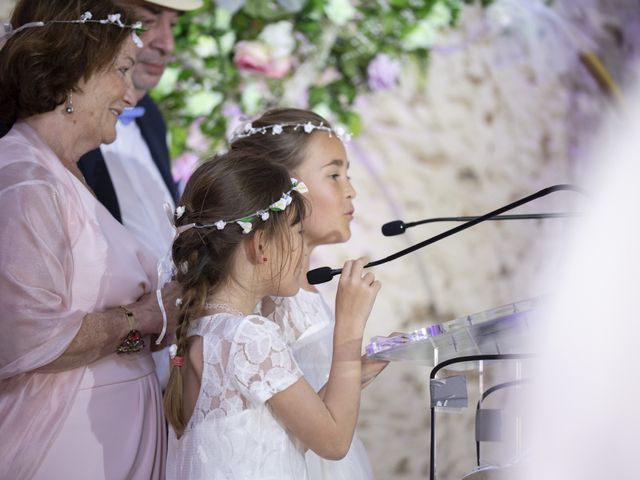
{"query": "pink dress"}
{"type": "Point", "coordinates": [62, 256]}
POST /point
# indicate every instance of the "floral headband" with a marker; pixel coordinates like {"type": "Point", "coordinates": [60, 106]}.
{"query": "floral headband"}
{"type": "Point", "coordinates": [86, 17]}
{"type": "Point", "coordinates": [278, 128]}
{"type": "Point", "coordinates": [166, 268]}
{"type": "Point", "coordinates": [246, 222]}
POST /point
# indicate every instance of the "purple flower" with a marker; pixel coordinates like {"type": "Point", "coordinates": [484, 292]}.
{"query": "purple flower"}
{"type": "Point", "coordinates": [383, 72]}
{"type": "Point", "coordinates": [183, 167]}
{"type": "Point", "coordinates": [195, 138]}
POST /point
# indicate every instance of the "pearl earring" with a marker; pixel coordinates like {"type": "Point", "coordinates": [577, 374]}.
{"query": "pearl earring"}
{"type": "Point", "coordinates": [69, 105]}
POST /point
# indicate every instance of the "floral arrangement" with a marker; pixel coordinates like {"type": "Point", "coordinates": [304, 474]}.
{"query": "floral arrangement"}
{"type": "Point", "coordinates": [236, 58]}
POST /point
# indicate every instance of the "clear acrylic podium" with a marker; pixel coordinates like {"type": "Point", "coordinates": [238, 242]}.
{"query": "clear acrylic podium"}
{"type": "Point", "coordinates": [499, 336]}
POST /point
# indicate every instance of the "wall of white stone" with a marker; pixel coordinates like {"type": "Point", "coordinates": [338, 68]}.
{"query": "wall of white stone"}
{"type": "Point", "coordinates": [496, 121]}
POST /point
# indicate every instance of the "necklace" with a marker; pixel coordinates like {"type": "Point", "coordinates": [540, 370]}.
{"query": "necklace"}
{"type": "Point", "coordinates": [224, 307]}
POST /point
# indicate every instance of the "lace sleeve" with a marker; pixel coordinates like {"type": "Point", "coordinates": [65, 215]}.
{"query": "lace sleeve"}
{"type": "Point", "coordinates": [262, 363]}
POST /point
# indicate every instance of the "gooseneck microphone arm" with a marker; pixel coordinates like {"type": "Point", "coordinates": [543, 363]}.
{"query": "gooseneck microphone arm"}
{"type": "Point", "coordinates": [325, 274]}
{"type": "Point", "coordinates": [398, 227]}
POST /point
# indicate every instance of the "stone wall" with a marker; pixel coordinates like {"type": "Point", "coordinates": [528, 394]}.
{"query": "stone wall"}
{"type": "Point", "coordinates": [495, 121]}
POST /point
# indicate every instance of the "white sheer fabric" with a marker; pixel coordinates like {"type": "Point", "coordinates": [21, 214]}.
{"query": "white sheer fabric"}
{"type": "Point", "coordinates": [307, 324]}
{"type": "Point", "coordinates": [232, 433]}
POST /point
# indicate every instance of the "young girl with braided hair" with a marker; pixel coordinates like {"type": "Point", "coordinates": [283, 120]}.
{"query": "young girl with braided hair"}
{"type": "Point", "coordinates": [237, 402]}
{"type": "Point", "coordinates": [312, 151]}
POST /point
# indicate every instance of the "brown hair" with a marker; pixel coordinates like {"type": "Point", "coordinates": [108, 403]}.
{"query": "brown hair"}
{"type": "Point", "coordinates": [39, 66]}
{"type": "Point", "coordinates": [227, 187]}
{"type": "Point", "coordinates": [288, 148]}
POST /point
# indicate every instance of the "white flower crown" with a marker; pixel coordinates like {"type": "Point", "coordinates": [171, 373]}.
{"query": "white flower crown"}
{"type": "Point", "coordinates": [278, 128]}
{"type": "Point", "coordinates": [246, 222]}
{"type": "Point", "coordinates": [86, 17]}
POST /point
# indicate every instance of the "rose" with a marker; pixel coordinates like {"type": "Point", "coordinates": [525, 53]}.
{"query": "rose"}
{"type": "Point", "coordinates": [270, 55]}
{"type": "Point", "coordinates": [254, 57]}
{"type": "Point", "coordinates": [383, 72]}
{"type": "Point", "coordinates": [251, 56]}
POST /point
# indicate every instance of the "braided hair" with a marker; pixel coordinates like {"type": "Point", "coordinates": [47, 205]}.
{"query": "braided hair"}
{"type": "Point", "coordinates": [228, 186]}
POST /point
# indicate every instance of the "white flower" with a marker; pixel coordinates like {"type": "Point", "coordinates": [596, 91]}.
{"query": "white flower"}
{"type": "Point", "coordinates": [178, 302]}
{"type": "Point", "coordinates": [280, 205]}
{"type": "Point", "coordinates": [264, 215]}
{"type": "Point", "coordinates": [115, 18]}
{"type": "Point", "coordinates": [299, 187]}
{"type": "Point", "coordinates": [246, 226]}
{"type": "Point", "coordinates": [287, 198]}
{"type": "Point", "coordinates": [86, 16]}
{"type": "Point", "coordinates": [422, 36]}
{"type": "Point", "coordinates": [202, 102]}
{"type": "Point", "coordinates": [227, 41]}
{"type": "Point", "coordinates": [339, 11]}
{"type": "Point", "coordinates": [173, 350]}
{"type": "Point", "coordinates": [308, 127]}
{"type": "Point", "coordinates": [222, 18]}
{"type": "Point", "coordinates": [220, 224]}
{"type": "Point", "coordinates": [180, 211]}
{"type": "Point", "coordinates": [276, 130]}
{"type": "Point", "coordinates": [440, 15]}
{"type": "Point", "coordinates": [206, 46]}
{"type": "Point", "coordinates": [168, 81]}
{"type": "Point", "coordinates": [136, 40]}
{"type": "Point", "coordinates": [279, 38]}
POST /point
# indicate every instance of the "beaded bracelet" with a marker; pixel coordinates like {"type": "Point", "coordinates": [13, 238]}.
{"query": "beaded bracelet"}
{"type": "Point", "coordinates": [133, 342]}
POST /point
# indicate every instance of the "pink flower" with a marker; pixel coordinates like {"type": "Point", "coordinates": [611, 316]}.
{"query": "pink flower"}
{"type": "Point", "coordinates": [251, 57]}
{"type": "Point", "coordinates": [183, 167]}
{"type": "Point", "coordinates": [278, 67]}
{"type": "Point", "coordinates": [255, 57]}
{"type": "Point", "coordinates": [383, 72]}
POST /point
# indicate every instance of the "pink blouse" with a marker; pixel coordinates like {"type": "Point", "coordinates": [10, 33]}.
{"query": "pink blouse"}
{"type": "Point", "coordinates": [62, 255]}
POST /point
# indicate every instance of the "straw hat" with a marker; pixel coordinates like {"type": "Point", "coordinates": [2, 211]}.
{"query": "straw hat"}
{"type": "Point", "coordinates": [180, 5]}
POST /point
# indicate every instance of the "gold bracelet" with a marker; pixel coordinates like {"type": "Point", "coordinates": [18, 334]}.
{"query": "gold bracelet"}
{"type": "Point", "coordinates": [133, 342]}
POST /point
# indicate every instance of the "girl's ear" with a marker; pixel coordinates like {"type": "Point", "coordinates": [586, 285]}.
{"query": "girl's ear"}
{"type": "Point", "coordinates": [256, 248]}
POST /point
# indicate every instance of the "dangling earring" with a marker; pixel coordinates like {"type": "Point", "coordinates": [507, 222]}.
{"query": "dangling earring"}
{"type": "Point", "coordinates": [69, 105]}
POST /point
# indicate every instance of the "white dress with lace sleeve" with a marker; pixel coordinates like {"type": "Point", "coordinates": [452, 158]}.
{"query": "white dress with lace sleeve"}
{"type": "Point", "coordinates": [232, 433]}
{"type": "Point", "coordinates": [307, 325]}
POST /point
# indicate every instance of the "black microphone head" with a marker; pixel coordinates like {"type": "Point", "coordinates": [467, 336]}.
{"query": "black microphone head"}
{"type": "Point", "coordinates": [319, 275]}
{"type": "Point", "coordinates": [393, 228]}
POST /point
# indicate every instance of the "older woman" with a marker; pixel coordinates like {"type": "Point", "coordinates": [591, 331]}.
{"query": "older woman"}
{"type": "Point", "coordinates": [75, 286]}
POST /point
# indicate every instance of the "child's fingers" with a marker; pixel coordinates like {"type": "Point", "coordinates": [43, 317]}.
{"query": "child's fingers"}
{"type": "Point", "coordinates": [357, 266]}
{"type": "Point", "coordinates": [369, 278]}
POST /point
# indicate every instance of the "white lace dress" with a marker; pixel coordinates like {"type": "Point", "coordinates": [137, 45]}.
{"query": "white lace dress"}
{"type": "Point", "coordinates": [307, 324]}
{"type": "Point", "coordinates": [232, 434]}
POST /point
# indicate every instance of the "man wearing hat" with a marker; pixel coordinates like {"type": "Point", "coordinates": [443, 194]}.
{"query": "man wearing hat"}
{"type": "Point", "coordinates": [132, 176]}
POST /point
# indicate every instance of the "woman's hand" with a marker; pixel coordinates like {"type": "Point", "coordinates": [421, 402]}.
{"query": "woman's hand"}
{"type": "Point", "coordinates": [148, 314]}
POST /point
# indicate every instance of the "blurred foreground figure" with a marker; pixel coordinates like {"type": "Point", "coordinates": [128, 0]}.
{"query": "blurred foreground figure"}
{"type": "Point", "coordinates": [585, 410]}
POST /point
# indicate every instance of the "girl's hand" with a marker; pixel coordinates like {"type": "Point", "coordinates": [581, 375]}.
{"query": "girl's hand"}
{"type": "Point", "coordinates": [371, 367]}
{"type": "Point", "coordinates": [357, 291]}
